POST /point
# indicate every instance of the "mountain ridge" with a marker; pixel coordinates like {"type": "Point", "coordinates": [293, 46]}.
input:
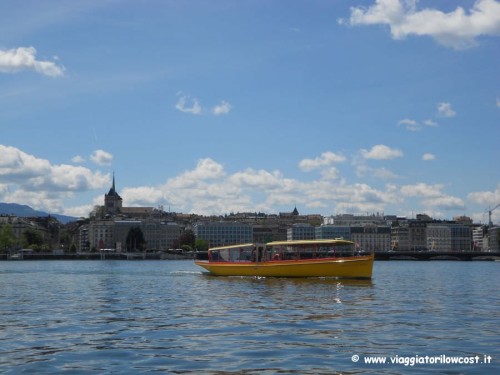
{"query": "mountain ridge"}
{"type": "Point", "coordinates": [23, 210]}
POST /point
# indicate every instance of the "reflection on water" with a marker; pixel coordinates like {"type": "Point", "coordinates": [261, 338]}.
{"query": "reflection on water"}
{"type": "Point", "coordinates": [139, 317]}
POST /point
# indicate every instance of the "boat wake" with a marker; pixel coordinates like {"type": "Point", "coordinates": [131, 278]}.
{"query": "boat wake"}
{"type": "Point", "coordinates": [184, 273]}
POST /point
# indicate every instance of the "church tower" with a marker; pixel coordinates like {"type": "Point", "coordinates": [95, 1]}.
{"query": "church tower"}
{"type": "Point", "coordinates": [112, 201]}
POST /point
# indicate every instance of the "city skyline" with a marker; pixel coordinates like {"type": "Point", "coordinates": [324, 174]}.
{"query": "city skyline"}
{"type": "Point", "coordinates": [212, 108]}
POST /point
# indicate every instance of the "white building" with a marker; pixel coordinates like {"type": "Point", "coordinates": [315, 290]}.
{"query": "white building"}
{"type": "Point", "coordinates": [222, 233]}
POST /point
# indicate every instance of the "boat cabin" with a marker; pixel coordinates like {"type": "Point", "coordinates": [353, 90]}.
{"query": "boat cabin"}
{"type": "Point", "coordinates": [248, 252]}
{"type": "Point", "coordinates": [281, 251]}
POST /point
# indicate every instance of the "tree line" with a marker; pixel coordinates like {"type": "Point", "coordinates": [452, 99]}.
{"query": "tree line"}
{"type": "Point", "coordinates": [135, 241]}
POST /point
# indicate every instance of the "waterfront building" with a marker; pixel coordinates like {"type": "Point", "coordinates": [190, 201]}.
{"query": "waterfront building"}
{"type": "Point", "coordinates": [263, 233]}
{"type": "Point", "coordinates": [330, 231]}
{"type": "Point", "coordinates": [83, 239]}
{"type": "Point", "coordinates": [400, 237]}
{"type": "Point", "coordinates": [494, 239]}
{"type": "Point", "coordinates": [465, 220]}
{"type": "Point", "coordinates": [101, 234]}
{"type": "Point", "coordinates": [139, 212]}
{"type": "Point", "coordinates": [368, 237]}
{"type": "Point", "coordinates": [447, 236]}
{"type": "Point", "coordinates": [478, 237]}
{"type": "Point", "coordinates": [112, 234]}
{"type": "Point", "coordinates": [417, 235]}
{"type": "Point", "coordinates": [461, 237]}
{"type": "Point", "coordinates": [409, 235]}
{"type": "Point", "coordinates": [300, 231]}
{"type": "Point", "coordinates": [159, 235]}
{"type": "Point", "coordinates": [371, 238]}
{"type": "Point", "coordinates": [223, 233]}
{"type": "Point", "coordinates": [121, 229]}
{"type": "Point", "coordinates": [351, 220]}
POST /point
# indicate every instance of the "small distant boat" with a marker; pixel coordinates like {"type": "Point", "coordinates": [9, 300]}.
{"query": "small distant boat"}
{"type": "Point", "coordinates": [304, 258]}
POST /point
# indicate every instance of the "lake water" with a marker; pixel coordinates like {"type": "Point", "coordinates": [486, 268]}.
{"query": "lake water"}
{"type": "Point", "coordinates": [135, 317]}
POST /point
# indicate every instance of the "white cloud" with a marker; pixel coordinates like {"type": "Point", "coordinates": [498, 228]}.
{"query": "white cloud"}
{"type": "Point", "coordinates": [380, 173]}
{"type": "Point", "coordinates": [430, 122]}
{"type": "Point", "coordinates": [190, 105]}
{"type": "Point", "coordinates": [432, 197]}
{"type": "Point", "coordinates": [487, 199]}
{"type": "Point", "coordinates": [80, 211]}
{"type": "Point", "coordinates": [78, 159]}
{"type": "Point", "coordinates": [206, 169]}
{"type": "Point", "coordinates": [428, 157]}
{"type": "Point", "coordinates": [208, 189]}
{"type": "Point", "coordinates": [381, 152]}
{"type": "Point", "coordinates": [457, 29]}
{"type": "Point", "coordinates": [413, 125]}
{"type": "Point", "coordinates": [17, 166]}
{"type": "Point", "coordinates": [182, 106]}
{"type": "Point", "coordinates": [383, 174]}
{"type": "Point", "coordinates": [101, 157]}
{"type": "Point", "coordinates": [444, 202]}
{"type": "Point", "coordinates": [30, 180]}
{"type": "Point", "coordinates": [326, 159]}
{"type": "Point", "coordinates": [422, 190]}
{"type": "Point", "coordinates": [145, 195]}
{"type": "Point", "coordinates": [222, 108]}
{"type": "Point", "coordinates": [24, 58]}
{"type": "Point", "coordinates": [410, 125]}
{"type": "Point", "coordinates": [445, 110]}
{"type": "Point", "coordinates": [330, 173]}
{"type": "Point", "coordinates": [498, 102]}
{"type": "Point", "coordinates": [256, 179]}
{"type": "Point", "coordinates": [32, 173]}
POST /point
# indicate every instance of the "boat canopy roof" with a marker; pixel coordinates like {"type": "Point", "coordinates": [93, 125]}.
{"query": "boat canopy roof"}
{"type": "Point", "coordinates": [235, 246]}
{"type": "Point", "coordinates": [336, 241]}
{"type": "Point", "coordinates": [331, 242]}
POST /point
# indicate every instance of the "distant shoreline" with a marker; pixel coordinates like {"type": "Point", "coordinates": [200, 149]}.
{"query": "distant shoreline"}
{"type": "Point", "coordinates": [386, 255]}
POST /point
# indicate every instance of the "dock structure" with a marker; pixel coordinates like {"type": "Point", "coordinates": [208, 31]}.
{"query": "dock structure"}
{"type": "Point", "coordinates": [202, 255]}
{"type": "Point", "coordinates": [437, 255]}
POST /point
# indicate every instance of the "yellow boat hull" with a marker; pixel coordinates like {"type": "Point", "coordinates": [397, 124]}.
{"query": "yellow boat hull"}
{"type": "Point", "coordinates": [348, 267]}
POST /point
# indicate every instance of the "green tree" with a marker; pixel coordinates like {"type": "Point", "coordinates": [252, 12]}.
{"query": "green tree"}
{"type": "Point", "coordinates": [32, 238]}
{"type": "Point", "coordinates": [187, 238]}
{"type": "Point", "coordinates": [201, 245]}
{"type": "Point", "coordinates": [135, 239]}
{"type": "Point", "coordinates": [98, 213]}
{"type": "Point", "coordinates": [7, 238]}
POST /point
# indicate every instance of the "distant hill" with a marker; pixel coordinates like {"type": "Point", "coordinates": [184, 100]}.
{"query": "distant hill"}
{"type": "Point", "coordinates": [23, 210]}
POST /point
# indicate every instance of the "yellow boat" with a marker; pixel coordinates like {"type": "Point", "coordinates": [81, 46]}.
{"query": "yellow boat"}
{"type": "Point", "coordinates": [304, 258]}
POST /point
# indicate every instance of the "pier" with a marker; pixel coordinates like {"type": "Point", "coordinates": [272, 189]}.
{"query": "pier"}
{"type": "Point", "coordinates": [437, 255]}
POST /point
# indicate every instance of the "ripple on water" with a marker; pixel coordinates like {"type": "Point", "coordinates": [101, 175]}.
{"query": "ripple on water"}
{"type": "Point", "coordinates": [140, 317]}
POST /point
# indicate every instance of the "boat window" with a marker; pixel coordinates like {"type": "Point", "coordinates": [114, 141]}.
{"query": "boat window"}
{"type": "Point", "coordinates": [219, 255]}
{"type": "Point", "coordinates": [246, 254]}
{"type": "Point", "coordinates": [240, 254]}
{"type": "Point", "coordinates": [274, 253]}
{"type": "Point", "coordinates": [236, 254]}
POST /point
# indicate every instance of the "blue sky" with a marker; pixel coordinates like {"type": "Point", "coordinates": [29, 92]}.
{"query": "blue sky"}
{"type": "Point", "coordinates": [213, 107]}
